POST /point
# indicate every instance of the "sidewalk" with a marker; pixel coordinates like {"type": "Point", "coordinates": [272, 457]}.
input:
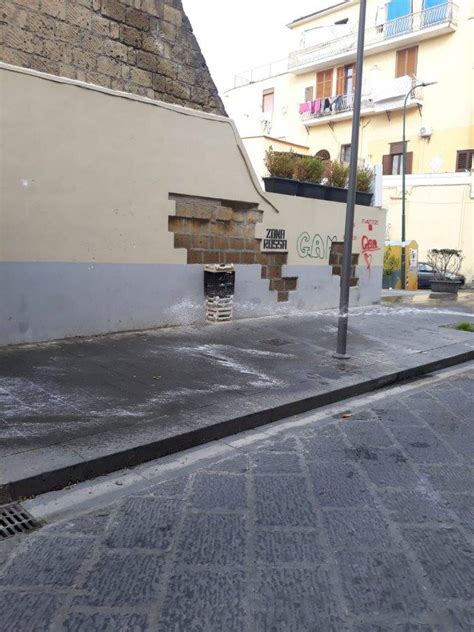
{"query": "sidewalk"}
{"type": "Point", "coordinates": [72, 410]}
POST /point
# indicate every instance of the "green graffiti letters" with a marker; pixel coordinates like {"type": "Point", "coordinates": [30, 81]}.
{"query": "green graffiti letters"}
{"type": "Point", "coordinates": [314, 246]}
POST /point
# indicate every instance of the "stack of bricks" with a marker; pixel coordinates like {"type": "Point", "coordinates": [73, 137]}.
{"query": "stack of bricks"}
{"type": "Point", "coordinates": [146, 47]}
{"type": "Point", "coordinates": [220, 231]}
{"type": "Point", "coordinates": [335, 260]}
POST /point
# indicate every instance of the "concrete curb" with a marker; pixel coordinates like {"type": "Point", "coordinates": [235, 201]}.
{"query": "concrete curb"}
{"type": "Point", "coordinates": [79, 472]}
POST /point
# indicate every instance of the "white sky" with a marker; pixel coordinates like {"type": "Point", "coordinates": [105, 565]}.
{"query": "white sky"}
{"type": "Point", "coordinates": [235, 36]}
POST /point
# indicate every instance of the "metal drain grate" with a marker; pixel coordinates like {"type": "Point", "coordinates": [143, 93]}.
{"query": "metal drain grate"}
{"type": "Point", "coordinates": [15, 520]}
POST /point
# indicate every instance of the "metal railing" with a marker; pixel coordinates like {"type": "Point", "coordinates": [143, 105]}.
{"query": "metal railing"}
{"type": "Point", "coordinates": [260, 73]}
{"type": "Point", "coordinates": [321, 108]}
{"type": "Point", "coordinates": [412, 23]}
{"type": "Point", "coordinates": [392, 90]}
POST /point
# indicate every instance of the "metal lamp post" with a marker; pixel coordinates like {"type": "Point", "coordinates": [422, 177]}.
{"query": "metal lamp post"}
{"type": "Point", "coordinates": [349, 225]}
{"type": "Point", "coordinates": [422, 84]}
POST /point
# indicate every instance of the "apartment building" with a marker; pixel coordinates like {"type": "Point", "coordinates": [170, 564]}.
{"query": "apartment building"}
{"type": "Point", "coordinates": [305, 102]}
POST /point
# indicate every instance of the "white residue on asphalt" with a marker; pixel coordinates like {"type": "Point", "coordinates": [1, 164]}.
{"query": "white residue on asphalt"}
{"type": "Point", "coordinates": [222, 354]}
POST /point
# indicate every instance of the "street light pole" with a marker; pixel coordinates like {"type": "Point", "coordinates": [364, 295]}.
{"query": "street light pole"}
{"type": "Point", "coordinates": [404, 170]}
{"type": "Point", "coordinates": [349, 225]}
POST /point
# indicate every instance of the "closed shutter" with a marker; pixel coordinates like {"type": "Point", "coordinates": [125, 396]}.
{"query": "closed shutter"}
{"type": "Point", "coordinates": [324, 83]}
{"type": "Point", "coordinates": [308, 93]}
{"type": "Point", "coordinates": [406, 62]}
{"type": "Point", "coordinates": [387, 165]}
{"type": "Point", "coordinates": [396, 148]}
{"type": "Point", "coordinates": [409, 163]}
{"type": "Point", "coordinates": [340, 80]}
{"type": "Point", "coordinates": [412, 55]}
{"type": "Point", "coordinates": [401, 63]}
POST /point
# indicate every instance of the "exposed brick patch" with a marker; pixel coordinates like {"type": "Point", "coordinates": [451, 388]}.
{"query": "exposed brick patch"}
{"type": "Point", "coordinates": [223, 231]}
{"type": "Point", "coordinates": [335, 261]}
{"type": "Point", "coordinates": [142, 46]}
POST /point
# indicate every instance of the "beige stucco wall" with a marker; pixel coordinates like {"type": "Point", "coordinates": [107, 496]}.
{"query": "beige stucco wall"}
{"type": "Point", "coordinates": [86, 176]}
{"type": "Point", "coordinates": [439, 214]}
{"type": "Point", "coordinates": [86, 241]}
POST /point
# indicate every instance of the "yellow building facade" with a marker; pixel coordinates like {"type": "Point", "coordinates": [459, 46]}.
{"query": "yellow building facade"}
{"type": "Point", "coordinates": [307, 102]}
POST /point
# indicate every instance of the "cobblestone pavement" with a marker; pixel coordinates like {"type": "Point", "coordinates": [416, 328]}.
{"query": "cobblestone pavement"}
{"type": "Point", "coordinates": [361, 523]}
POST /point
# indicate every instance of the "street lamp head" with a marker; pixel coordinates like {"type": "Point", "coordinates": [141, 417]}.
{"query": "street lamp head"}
{"type": "Point", "coordinates": [428, 83]}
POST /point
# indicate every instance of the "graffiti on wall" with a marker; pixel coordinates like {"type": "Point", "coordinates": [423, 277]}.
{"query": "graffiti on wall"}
{"type": "Point", "coordinates": [368, 246]}
{"type": "Point", "coordinates": [314, 246]}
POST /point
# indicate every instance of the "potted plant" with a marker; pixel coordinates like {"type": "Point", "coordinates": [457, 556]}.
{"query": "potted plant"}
{"type": "Point", "coordinates": [309, 171]}
{"type": "Point", "coordinates": [364, 184]}
{"type": "Point", "coordinates": [446, 263]}
{"type": "Point", "coordinates": [280, 166]}
{"type": "Point", "coordinates": [336, 179]}
{"type": "Point", "coordinates": [391, 264]}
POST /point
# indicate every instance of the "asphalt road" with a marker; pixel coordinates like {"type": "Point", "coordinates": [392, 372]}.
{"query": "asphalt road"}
{"type": "Point", "coordinates": [360, 522]}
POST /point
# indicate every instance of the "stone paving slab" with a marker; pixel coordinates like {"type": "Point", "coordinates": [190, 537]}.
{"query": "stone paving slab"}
{"type": "Point", "coordinates": [72, 410]}
{"type": "Point", "coordinates": [291, 532]}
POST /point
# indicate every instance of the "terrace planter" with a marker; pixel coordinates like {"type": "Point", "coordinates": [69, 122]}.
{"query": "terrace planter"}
{"type": "Point", "coordinates": [312, 190]}
{"type": "Point", "coordinates": [445, 285]}
{"type": "Point", "coordinates": [287, 186]}
{"type": "Point", "coordinates": [364, 198]}
{"type": "Point", "coordinates": [336, 194]}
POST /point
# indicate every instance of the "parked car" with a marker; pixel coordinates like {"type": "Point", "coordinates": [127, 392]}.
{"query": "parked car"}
{"type": "Point", "coordinates": [426, 275]}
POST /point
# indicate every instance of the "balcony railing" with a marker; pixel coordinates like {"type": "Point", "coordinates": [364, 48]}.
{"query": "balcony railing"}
{"type": "Point", "coordinates": [386, 95]}
{"type": "Point", "coordinates": [412, 23]}
{"type": "Point", "coordinates": [260, 73]}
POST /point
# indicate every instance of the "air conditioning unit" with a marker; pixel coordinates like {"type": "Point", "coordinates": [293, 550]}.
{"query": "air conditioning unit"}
{"type": "Point", "coordinates": [426, 131]}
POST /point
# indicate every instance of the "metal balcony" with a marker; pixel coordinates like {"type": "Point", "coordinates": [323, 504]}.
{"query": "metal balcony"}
{"type": "Point", "coordinates": [387, 96]}
{"type": "Point", "coordinates": [408, 29]}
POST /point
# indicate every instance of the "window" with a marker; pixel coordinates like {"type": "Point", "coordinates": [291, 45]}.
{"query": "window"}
{"type": "Point", "coordinates": [324, 84]}
{"type": "Point", "coordinates": [392, 162]}
{"type": "Point", "coordinates": [308, 93]}
{"type": "Point", "coordinates": [267, 100]}
{"type": "Point", "coordinates": [464, 160]}
{"type": "Point", "coordinates": [406, 62]}
{"type": "Point", "coordinates": [345, 79]}
{"type": "Point", "coordinates": [345, 153]}
{"type": "Point", "coordinates": [323, 154]}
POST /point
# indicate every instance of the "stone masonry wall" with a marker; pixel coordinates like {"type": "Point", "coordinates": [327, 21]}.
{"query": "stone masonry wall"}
{"type": "Point", "coordinates": [142, 46]}
{"type": "Point", "coordinates": [223, 231]}
{"type": "Point", "coordinates": [335, 261]}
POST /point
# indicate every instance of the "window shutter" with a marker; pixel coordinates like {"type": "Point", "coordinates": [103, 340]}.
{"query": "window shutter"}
{"type": "Point", "coordinates": [396, 148]}
{"type": "Point", "coordinates": [308, 93]}
{"type": "Point", "coordinates": [401, 63]}
{"type": "Point", "coordinates": [319, 85]}
{"type": "Point", "coordinates": [461, 161]}
{"type": "Point", "coordinates": [387, 165]}
{"type": "Point", "coordinates": [412, 55]}
{"type": "Point", "coordinates": [409, 163]}
{"type": "Point", "coordinates": [340, 81]}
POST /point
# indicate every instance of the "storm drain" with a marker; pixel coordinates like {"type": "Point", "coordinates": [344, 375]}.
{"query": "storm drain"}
{"type": "Point", "coordinates": [14, 520]}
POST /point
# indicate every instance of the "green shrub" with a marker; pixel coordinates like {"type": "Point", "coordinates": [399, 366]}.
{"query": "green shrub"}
{"type": "Point", "coordinates": [309, 169]}
{"type": "Point", "coordinates": [390, 262]}
{"type": "Point", "coordinates": [336, 174]}
{"type": "Point", "coordinates": [280, 164]}
{"type": "Point", "coordinates": [465, 327]}
{"type": "Point", "coordinates": [365, 178]}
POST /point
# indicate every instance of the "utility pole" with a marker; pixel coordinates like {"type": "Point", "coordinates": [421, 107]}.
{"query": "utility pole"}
{"type": "Point", "coordinates": [341, 351]}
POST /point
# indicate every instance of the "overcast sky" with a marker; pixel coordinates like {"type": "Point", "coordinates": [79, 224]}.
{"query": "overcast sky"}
{"type": "Point", "coordinates": [236, 36]}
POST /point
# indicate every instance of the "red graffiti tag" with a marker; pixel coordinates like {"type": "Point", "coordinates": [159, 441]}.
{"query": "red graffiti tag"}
{"type": "Point", "coordinates": [368, 246]}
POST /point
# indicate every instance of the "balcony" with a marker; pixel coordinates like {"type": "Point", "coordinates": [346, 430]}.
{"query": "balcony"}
{"type": "Point", "coordinates": [387, 96]}
{"type": "Point", "coordinates": [402, 31]}
{"type": "Point", "coordinates": [261, 73]}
